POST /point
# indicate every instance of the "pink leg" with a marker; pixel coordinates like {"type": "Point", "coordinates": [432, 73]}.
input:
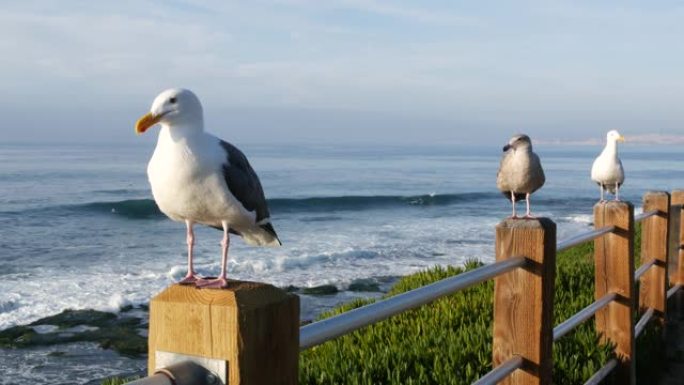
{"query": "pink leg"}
{"type": "Point", "coordinates": [191, 276]}
{"type": "Point", "coordinates": [601, 190]}
{"type": "Point", "coordinates": [514, 215]}
{"type": "Point", "coordinates": [617, 191]}
{"type": "Point", "coordinates": [527, 201]}
{"type": "Point", "coordinates": [221, 281]}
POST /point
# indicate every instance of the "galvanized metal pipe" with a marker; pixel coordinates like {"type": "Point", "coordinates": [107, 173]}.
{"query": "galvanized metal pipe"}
{"type": "Point", "coordinates": [673, 290]}
{"type": "Point", "coordinates": [643, 321]}
{"type": "Point", "coordinates": [643, 269]}
{"type": "Point", "coordinates": [642, 216]}
{"type": "Point", "coordinates": [182, 373]}
{"type": "Point", "coordinates": [583, 237]}
{"type": "Point", "coordinates": [566, 326]}
{"type": "Point", "coordinates": [157, 379]}
{"type": "Point", "coordinates": [319, 332]}
{"type": "Point", "coordinates": [500, 372]}
{"type": "Point", "coordinates": [602, 373]}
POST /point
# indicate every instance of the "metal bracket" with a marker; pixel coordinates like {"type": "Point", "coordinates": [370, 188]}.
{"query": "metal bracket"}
{"type": "Point", "coordinates": [219, 368]}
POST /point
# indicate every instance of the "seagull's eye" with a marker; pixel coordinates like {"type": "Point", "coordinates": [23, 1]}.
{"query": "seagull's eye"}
{"type": "Point", "coordinates": [172, 100]}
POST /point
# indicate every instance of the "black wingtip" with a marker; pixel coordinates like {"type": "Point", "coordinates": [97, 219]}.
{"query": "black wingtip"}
{"type": "Point", "coordinates": [269, 228]}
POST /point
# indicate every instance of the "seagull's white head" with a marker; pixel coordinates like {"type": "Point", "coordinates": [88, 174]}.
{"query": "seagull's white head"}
{"type": "Point", "coordinates": [520, 141]}
{"type": "Point", "coordinates": [173, 107]}
{"type": "Point", "coordinates": [614, 136]}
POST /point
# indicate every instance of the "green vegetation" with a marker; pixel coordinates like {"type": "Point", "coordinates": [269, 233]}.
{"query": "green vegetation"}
{"type": "Point", "coordinates": [450, 341]}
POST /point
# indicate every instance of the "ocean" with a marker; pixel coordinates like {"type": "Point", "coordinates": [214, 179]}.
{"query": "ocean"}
{"type": "Point", "coordinates": [79, 229]}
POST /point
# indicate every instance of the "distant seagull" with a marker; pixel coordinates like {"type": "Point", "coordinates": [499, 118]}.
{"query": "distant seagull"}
{"type": "Point", "coordinates": [520, 172]}
{"type": "Point", "coordinates": [607, 170]}
{"type": "Point", "coordinates": [198, 178]}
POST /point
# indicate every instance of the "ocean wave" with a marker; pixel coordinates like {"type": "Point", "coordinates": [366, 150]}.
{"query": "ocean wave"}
{"type": "Point", "coordinates": [372, 202]}
{"type": "Point", "coordinates": [130, 208]}
{"type": "Point", "coordinates": [147, 208]}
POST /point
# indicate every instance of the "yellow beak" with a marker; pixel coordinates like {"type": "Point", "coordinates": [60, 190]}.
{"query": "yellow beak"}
{"type": "Point", "coordinates": [621, 138]}
{"type": "Point", "coordinates": [147, 121]}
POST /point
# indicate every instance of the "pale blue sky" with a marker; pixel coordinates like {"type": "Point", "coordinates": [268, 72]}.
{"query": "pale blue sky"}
{"type": "Point", "coordinates": [357, 70]}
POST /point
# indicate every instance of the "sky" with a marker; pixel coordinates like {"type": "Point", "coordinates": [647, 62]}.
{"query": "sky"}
{"type": "Point", "coordinates": [364, 71]}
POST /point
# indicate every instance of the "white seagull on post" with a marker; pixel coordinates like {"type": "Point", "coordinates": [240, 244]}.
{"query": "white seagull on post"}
{"type": "Point", "coordinates": [607, 169]}
{"type": "Point", "coordinates": [198, 178]}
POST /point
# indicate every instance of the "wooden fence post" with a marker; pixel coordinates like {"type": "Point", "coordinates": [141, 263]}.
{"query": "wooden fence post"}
{"type": "Point", "coordinates": [249, 331]}
{"type": "Point", "coordinates": [677, 274]}
{"type": "Point", "coordinates": [614, 261]}
{"type": "Point", "coordinates": [654, 245]}
{"type": "Point", "coordinates": [523, 299]}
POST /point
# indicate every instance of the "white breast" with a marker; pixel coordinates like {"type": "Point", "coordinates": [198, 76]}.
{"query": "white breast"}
{"type": "Point", "coordinates": [187, 180]}
{"type": "Point", "coordinates": [607, 169]}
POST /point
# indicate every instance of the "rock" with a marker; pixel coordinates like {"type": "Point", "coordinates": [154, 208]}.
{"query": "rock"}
{"type": "Point", "coordinates": [120, 333]}
{"type": "Point", "coordinates": [366, 285]}
{"type": "Point", "coordinates": [320, 290]}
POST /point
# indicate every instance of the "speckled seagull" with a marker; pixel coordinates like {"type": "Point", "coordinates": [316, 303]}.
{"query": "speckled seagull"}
{"type": "Point", "coordinates": [520, 172]}
{"type": "Point", "coordinates": [198, 178]}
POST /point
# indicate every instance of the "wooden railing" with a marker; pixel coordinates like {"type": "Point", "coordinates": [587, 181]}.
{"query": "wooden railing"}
{"type": "Point", "coordinates": [234, 322]}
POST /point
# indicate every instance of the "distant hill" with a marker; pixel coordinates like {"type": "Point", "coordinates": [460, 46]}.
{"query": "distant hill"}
{"type": "Point", "coordinates": [630, 139]}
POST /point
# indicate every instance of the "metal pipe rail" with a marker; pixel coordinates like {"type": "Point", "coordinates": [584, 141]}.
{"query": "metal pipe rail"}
{"type": "Point", "coordinates": [643, 321]}
{"type": "Point", "coordinates": [568, 325]}
{"type": "Point", "coordinates": [673, 290]}
{"type": "Point", "coordinates": [319, 332]}
{"type": "Point", "coordinates": [500, 372]}
{"type": "Point", "coordinates": [182, 373]}
{"type": "Point", "coordinates": [602, 373]}
{"type": "Point", "coordinates": [642, 216]}
{"type": "Point", "coordinates": [583, 237]}
{"type": "Point", "coordinates": [643, 269]}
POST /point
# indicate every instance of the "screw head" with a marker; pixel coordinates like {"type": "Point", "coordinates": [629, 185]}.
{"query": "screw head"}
{"type": "Point", "coordinates": [212, 379]}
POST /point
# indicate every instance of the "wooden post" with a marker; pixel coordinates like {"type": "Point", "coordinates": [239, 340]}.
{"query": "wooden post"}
{"type": "Point", "coordinates": [523, 299]}
{"type": "Point", "coordinates": [654, 245]}
{"type": "Point", "coordinates": [614, 261]}
{"type": "Point", "coordinates": [677, 274]}
{"type": "Point", "coordinates": [252, 327]}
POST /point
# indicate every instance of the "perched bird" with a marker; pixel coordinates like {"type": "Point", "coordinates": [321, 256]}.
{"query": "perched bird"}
{"type": "Point", "coordinates": [520, 172]}
{"type": "Point", "coordinates": [198, 178]}
{"type": "Point", "coordinates": [607, 169]}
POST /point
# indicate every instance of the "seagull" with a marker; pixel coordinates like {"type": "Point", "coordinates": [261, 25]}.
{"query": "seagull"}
{"type": "Point", "coordinates": [607, 169]}
{"type": "Point", "coordinates": [520, 172]}
{"type": "Point", "coordinates": [198, 178]}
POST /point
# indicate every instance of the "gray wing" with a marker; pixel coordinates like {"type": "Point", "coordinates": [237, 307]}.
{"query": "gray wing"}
{"type": "Point", "coordinates": [244, 183]}
{"type": "Point", "coordinates": [537, 172]}
{"type": "Point", "coordinates": [501, 182]}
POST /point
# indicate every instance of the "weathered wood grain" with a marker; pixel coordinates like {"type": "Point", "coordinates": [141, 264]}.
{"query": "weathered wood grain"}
{"type": "Point", "coordinates": [523, 299]}
{"type": "Point", "coordinates": [677, 274]}
{"type": "Point", "coordinates": [655, 245]}
{"type": "Point", "coordinates": [253, 326]}
{"type": "Point", "coordinates": [614, 261]}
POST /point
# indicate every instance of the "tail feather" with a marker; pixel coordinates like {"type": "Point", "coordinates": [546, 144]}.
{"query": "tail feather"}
{"type": "Point", "coordinates": [256, 236]}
